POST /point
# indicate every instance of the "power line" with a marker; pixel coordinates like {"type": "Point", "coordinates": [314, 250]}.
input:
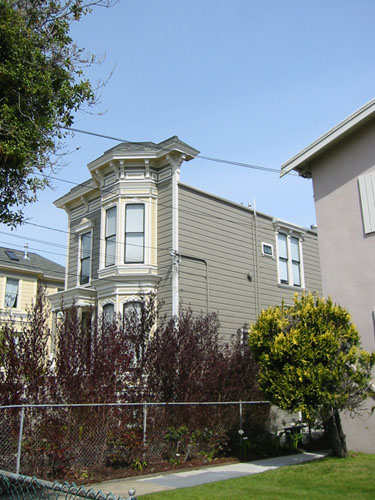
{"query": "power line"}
{"type": "Point", "coordinates": [200, 156]}
{"type": "Point", "coordinates": [35, 240]}
{"type": "Point", "coordinates": [188, 212]}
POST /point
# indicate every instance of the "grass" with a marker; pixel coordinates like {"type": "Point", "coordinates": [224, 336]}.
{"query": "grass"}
{"type": "Point", "coordinates": [330, 478]}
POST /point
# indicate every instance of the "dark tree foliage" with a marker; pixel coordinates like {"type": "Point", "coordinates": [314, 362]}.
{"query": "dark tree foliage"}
{"type": "Point", "coordinates": [24, 359]}
{"type": "Point", "coordinates": [140, 357]}
{"type": "Point", "coordinates": [41, 87]}
{"type": "Point", "coordinates": [187, 362]}
{"type": "Point", "coordinates": [92, 361]}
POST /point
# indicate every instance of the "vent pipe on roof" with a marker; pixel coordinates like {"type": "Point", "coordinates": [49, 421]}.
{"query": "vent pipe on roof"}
{"type": "Point", "coordinates": [25, 256]}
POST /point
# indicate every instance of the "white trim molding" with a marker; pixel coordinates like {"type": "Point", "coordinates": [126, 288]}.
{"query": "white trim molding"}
{"type": "Point", "coordinates": [301, 160]}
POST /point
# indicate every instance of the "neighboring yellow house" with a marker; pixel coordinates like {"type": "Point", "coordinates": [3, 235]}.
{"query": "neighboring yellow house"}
{"type": "Point", "coordinates": [21, 272]}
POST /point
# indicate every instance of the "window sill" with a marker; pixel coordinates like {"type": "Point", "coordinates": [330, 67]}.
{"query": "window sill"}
{"type": "Point", "coordinates": [291, 287]}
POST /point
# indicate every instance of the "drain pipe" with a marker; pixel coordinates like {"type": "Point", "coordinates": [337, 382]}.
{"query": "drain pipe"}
{"type": "Point", "coordinates": [199, 259]}
{"type": "Point", "coordinates": [256, 270]}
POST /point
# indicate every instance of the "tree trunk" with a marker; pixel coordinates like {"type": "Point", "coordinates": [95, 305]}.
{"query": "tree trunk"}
{"type": "Point", "coordinates": [336, 435]}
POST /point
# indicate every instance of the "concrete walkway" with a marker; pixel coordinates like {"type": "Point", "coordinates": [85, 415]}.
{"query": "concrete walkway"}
{"type": "Point", "coordinates": [209, 474]}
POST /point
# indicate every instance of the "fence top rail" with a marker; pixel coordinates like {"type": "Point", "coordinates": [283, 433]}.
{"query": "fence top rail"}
{"type": "Point", "coordinates": [175, 403]}
{"type": "Point", "coordinates": [65, 489]}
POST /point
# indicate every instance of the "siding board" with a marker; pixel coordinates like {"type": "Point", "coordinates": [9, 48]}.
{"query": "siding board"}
{"type": "Point", "coordinates": [225, 236]}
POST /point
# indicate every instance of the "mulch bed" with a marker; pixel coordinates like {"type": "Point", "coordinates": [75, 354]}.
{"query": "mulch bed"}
{"type": "Point", "coordinates": [98, 474]}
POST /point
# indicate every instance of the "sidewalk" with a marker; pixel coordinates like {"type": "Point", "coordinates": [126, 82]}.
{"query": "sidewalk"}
{"type": "Point", "coordinates": [184, 479]}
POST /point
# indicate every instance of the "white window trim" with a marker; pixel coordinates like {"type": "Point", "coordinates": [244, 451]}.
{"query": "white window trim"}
{"type": "Point", "coordinates": [106, 302]}
{"type": "Point", "coordinates": [146, 229]}
{"type": "Point", "coordinates": [289, 234]}
{"type": "Point", "coordinates": [271, 255]}
{"type": "Point", "coordinates": [366, 185]}
{"type": "Point", "coordinates": [19, 295]}
{"type": "Point", "coordinates": [130, 298]}
{"type": "Point", "coordinates": [81, 233]}
{"type": "Point", "coordinates": [103, 221]}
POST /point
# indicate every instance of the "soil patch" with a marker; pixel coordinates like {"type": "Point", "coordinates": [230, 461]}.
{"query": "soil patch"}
{"type": "Point", "coordinates": [98, 474]}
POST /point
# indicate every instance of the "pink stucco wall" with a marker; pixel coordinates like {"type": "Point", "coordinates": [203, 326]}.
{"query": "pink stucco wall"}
{"type": "Point", "coordinates": [347, 253]}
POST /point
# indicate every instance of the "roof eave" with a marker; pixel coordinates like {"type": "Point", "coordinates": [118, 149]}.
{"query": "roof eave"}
{"type": "Point", "coordinates": [301, 160]}
{"type": "Point", "coordinates": [173, 144]}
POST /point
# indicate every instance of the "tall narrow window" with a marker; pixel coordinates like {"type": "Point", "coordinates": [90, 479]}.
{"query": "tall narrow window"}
{"type": "Point", "coordinates": [134, 233]}
{"type": "Point", "coordinates": [289, 260]}
{"type": "Point", "coordinates": [11, 293]}
{"type": "Point", "coordinates": [85, 258]}
{"type": "Point", "coordinates": [283, 258]}
{"type": "Point", "coordinates": [296, 261]}
{"type": "Point", "coordinates": [132, 310]}
{"type": "Point", "coordinates": [109, 312]}
{"type": "Point", "coordinates": [110, 237]}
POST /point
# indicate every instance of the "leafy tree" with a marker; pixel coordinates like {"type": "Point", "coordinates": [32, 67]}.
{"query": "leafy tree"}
{"type": "Point", "coordinates": [187, 362]}
{"type": "Point", "coordinates": [311, 361]}
{"type": "Point", "coordinates": [41, 87]}
{"type": "Point", "coordinates": [25, 365]}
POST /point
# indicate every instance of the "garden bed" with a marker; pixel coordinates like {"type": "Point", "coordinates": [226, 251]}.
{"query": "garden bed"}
{"type": "Point", "coordinates": [97, 474]}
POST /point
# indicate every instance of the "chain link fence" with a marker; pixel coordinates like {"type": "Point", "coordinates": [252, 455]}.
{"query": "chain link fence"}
{"type": "Point", "coordinates": [20, 487]}
{"type": "Point", "coordinates": [46, 440]}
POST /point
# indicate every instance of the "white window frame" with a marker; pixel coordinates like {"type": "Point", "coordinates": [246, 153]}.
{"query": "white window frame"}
{"type": "Point", "coordinates": [106, 238]}
{"type": "Point", "coordinates": [82, 234]}
{"type": "Point", "coordinates": [264, 244]}
{"type": "Point", "coordinates": [18, 296]}
{"type": "Point", "coordinates": [109, 303]}
{"type": "Point", "coordinates": [85, 226]}
{"type": "Point", "coordinates": [131, 302]}
{"type": "Point", "coordinates": [127, 205]}
{"type": "Point", "coordinates": [366, 185]}
{"type": "Point", "coordinates": [299, 237]}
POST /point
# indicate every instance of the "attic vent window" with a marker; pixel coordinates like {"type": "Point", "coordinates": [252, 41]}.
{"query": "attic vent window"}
{"type": "Point", "coordinates": [11, 255]}
{"type": "Point", "coordinates": [267, 249]}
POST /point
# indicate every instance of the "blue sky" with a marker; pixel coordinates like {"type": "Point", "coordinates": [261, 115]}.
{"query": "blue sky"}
{"type": "Point", "coordinates": [243, 80]}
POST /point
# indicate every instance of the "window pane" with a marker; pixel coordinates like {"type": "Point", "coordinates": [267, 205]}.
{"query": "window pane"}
{"type": "Point", "coordinates": [282, 246]}
{"type": "Point", "coordinates": [294, 245]}
{"type": "Point", "coordinates": [283, 270]}
{"type": "Point", "coordinates": [85, 271]}
{"type": "Point", "coordinates": [110, 227]}
{"type": "Point", "coordinates": [110, 251]}
{"type": "Point", "coordinates": [134, 219]}
{"type": "Point", "coordinates": [134, 247]}
{"type": "Point", "coordinates": [85, 245]}
{"type": "Point", "coordinates": [132, 308]}
{"type": "Point", "coordinates": [109, 311]}
{"type": "Point", "coordinates": [11, 293]}
{"type": "Point", "coordinates": [296, 273]}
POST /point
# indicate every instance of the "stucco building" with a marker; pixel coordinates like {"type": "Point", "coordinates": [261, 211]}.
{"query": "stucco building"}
{"type": "Point", "coordinates": [341, 164]}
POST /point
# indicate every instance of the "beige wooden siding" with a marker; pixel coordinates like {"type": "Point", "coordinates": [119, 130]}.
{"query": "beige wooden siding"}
{"type": "Point", "coordinates": [164, 244]}
{"type": "Point", "coordinates": [28, 289]}
{"type": "Point", "coordinates": [73, 255]}
{"type": "Point", "coordinates": [222, 235]}
{"type": "Point", "coordinates": [241, 281]}
{"type": "Point", "coordinates": [2, 291]}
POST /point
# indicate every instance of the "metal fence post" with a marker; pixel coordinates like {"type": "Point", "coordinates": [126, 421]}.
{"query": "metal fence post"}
{"type": "Point", "coordinates": [240, 414]}
{"type": "Point", "coordinates": [20, 441]}
{"type": "Point", "coordinates": [144, 427]}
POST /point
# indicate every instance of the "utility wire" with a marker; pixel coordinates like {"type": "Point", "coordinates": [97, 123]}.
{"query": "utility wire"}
{"type": "Point", "coordinates": [200, 156]}
{"type": "Point", "coordinates": [202, 214]}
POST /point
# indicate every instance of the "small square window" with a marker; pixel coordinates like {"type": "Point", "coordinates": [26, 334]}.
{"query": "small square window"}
{"type": "Point", "coordinates": [267, 249]}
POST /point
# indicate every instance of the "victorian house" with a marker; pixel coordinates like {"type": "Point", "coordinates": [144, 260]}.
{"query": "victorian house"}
{"type": "Point", "coordinates": [134, 228]}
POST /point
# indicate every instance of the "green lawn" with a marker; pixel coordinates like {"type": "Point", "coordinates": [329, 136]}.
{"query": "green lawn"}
{"type": "Point", "coordinates": [330, 478]}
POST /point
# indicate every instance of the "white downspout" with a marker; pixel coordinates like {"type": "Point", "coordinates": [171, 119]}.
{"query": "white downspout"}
{"type": "Point", "coordinates": [174, 253]}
